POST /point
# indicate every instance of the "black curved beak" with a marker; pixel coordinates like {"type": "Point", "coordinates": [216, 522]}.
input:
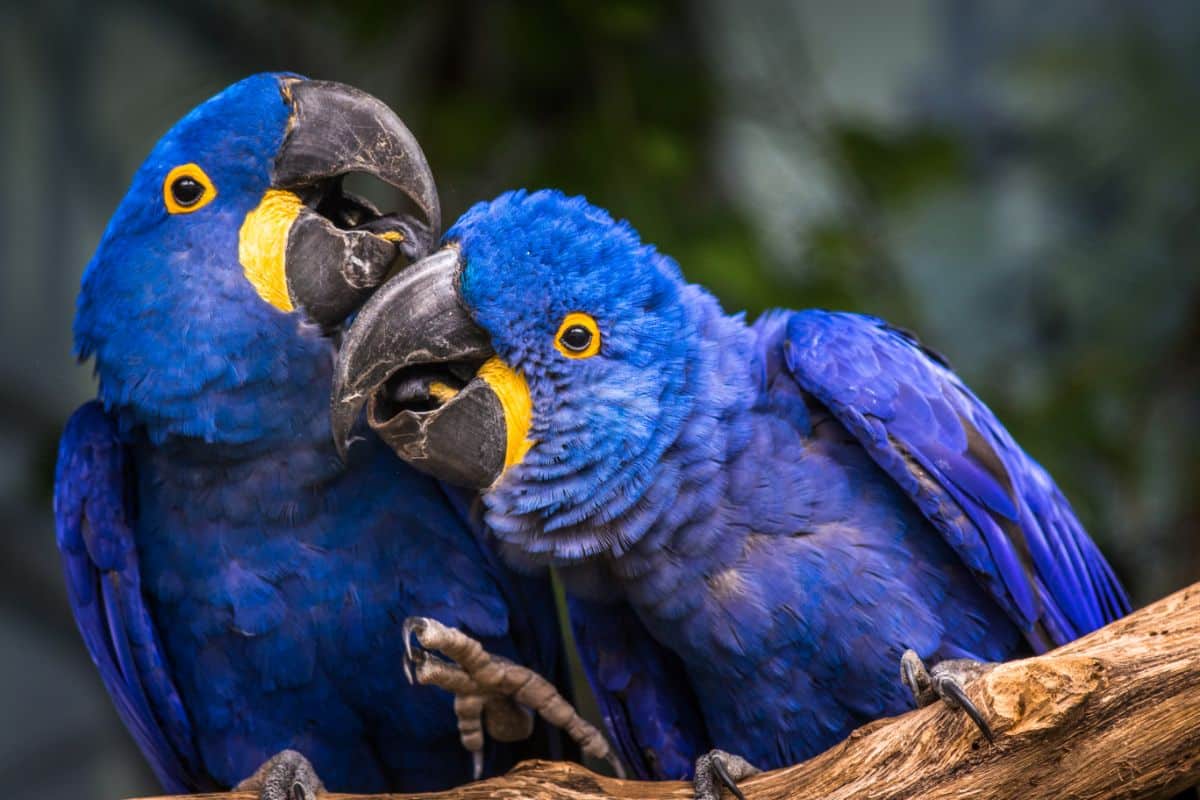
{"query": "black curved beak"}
{"type": "Point", "coordinates": [433, 388]}
{"type": "Point", "coordinates": [339, 247]}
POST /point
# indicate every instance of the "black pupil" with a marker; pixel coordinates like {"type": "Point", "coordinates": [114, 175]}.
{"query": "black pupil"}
{"type": "Point", "coordinates": [186, 191]}
{"type": "Point", "coordinates": [576, 338]}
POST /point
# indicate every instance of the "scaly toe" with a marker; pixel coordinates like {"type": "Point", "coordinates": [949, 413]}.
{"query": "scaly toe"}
{"type": "Point", "coordinates": [287, 775]}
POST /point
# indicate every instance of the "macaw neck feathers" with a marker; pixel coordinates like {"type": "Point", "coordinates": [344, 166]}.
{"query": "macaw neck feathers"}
{"type": "Point", "coordinates": [583, 492]}
{"type": "Point", "coordinates": [247, 391]}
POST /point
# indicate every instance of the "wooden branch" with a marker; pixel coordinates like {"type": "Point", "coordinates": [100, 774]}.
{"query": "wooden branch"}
{"type": "Point", "coordinates": [1113, 715]}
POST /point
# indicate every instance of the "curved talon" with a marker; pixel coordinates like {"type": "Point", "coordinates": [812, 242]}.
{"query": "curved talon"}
{"type": "Point", "coordinates": [414, 666]}
{"type": "Point", "coordinates": [413, 626]}
{"type": "Point", "coordinates": [916, 678]}
{"type": "Point", "coordinates": [951, 691]}
{"type": "Point", "coordinates": [718, 766]}
{"type": "Point", "coordinates": [945, 682]}
{"type": "Point", "coordinates": [408, 630]}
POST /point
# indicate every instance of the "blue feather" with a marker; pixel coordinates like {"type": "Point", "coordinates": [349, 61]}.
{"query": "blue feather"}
{"type": "Point", "coordinates": [644, 697]}
{"type": "Point", "coordinates": [92, 526]}
{"type": "Point", "coordinates": [240, 589]}
{"type": "Point", "coordinates": [1047, 547]}
{"type": "Point", "coordinates": [754, 522]}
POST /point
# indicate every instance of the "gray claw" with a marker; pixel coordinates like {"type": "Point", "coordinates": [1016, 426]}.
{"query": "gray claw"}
{"type": "Point", "coordinates": [717, 768]}
{"type": "Point", "coordinates": [950, 690]}
{"type": "Point", "coordinates": [407, 630]}
{"type": "Point", "coordinates": [945, 682]}
{"type": "Point", "coordinates": [412, 626]}
{"type": "Point", "coordinates": [916, 678]}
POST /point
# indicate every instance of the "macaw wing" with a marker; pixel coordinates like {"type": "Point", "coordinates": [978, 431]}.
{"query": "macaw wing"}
{"type": "Point", "coordinates": [92, 491]}
{"type": "Point", "coordinates": [993, 504]}
{"type": "Point", "coordinates": [651, 715]}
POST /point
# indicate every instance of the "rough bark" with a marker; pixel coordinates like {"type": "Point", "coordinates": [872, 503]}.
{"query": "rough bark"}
{"type": "Point", "coordinates": [1115, 714]}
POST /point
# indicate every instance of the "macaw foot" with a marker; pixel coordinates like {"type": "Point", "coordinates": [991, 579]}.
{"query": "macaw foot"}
{"type": "Point", "coordinates": [285, 776]}
{"type": "Point", "coordinates": [715, 769]}
{"type": "Point", "coordinates": [492, 693]}
{"type": "Point", "coordinates": [945, 681]}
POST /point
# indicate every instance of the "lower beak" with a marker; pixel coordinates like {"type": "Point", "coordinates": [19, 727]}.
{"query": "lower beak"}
{"type": "Point", "coordinates": [339, 247]}
{"type": "Point", "coordinates": [433, 388]}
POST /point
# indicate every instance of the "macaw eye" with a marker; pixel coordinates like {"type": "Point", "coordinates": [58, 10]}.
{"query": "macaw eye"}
{"type": "Point", "coordinates": [187, 191]}
{"type": "Point", "coordinates": [187, 188]}
{"type": "Point", "coordinates": [578, 336]}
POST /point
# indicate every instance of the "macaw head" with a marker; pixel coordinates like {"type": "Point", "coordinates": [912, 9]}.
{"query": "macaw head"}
{"type": "Point", "coordinates": [236, 247]}
{"type": "Point", "coordinates": [541, 355]}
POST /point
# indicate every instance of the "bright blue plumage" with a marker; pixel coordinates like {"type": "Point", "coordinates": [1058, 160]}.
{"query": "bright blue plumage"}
{"type": "Point", "coordinates": [240, 589]}
{"type": "Point", "coordinates": [785, 506]}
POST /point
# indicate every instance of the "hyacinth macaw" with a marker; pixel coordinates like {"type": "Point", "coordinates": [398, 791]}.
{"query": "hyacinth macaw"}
{"type": "Point", "coordinates": [240, 589]}
{"type": "Point", "coordinates": [754, 521]}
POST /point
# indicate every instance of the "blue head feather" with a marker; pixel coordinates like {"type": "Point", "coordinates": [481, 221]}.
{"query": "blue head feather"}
{"type": "Point", "coordinates": [183, 343]}
{"type": "Point", "coordinates": [601, 424]}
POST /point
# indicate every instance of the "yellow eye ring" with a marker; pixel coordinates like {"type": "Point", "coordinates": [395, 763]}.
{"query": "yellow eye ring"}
{"type": "Point", "coordinates": [187, 188]}
{"type": "Point", "coordinates": [578, 336]}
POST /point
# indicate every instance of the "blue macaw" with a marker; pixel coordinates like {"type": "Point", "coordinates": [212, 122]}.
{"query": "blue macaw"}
{"type": "Point", "coordinates": [241, 590]}
{"type": "Point", "coordinates": [755, 521]}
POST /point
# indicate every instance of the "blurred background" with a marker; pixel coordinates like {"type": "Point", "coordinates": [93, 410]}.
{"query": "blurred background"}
{"type": "Point", "coordinates": [1019, 182]}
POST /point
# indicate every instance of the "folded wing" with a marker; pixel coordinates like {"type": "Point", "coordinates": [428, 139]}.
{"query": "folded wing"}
{"type": "Point", "coordinates": [92, 498]}
{"type": "Point", "coordinates": [995, 506]}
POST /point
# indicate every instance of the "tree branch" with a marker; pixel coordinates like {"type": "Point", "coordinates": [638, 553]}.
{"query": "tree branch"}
{"type": "Point", "coordinates": [1115, 714]}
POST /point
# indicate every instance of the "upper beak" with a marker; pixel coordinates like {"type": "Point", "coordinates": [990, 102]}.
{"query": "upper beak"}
{"type": "Point", "coordinates": [434, 389]}
{"type": "Point", "coordinates": [339, 247]}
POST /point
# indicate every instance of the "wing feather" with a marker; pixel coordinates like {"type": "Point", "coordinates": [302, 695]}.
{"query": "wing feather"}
{"type": "Point", "coordinates": [95, 539]}
{"type": "Point", "coordinates": [993, 504]}
{"type": "Point", "coordinates": [643, 692]}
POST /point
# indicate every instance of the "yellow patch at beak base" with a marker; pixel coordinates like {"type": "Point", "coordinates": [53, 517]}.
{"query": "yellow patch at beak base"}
{"type": "Point", "coordinates": [262, 246]}
{"type": "Point", "coordinates": [509, 385]}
